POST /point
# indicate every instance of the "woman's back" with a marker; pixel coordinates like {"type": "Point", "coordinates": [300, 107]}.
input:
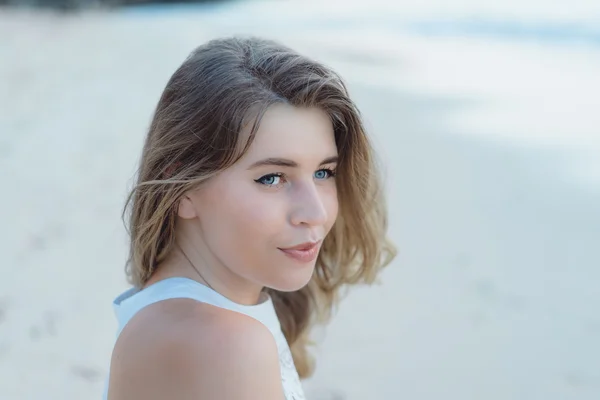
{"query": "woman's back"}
{"type": "Point", "coordinates": [180, 339]}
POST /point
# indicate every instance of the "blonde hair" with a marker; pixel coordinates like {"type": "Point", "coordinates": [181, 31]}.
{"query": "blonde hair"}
{"type": "Point", "coordinates": [195, 133]}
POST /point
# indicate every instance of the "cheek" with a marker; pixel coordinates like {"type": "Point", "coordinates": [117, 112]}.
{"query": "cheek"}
{"type": "Point", "coordinates": [248, 215]}
{"type": "Point", "coordinates": [331, 202]}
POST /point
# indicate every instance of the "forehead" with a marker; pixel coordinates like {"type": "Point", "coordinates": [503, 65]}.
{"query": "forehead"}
{"type": "Point", "coordinates": [294, 133]}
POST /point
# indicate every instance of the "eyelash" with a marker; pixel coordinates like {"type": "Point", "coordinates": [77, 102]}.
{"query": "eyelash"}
{"type": "Point", "coordinates": [331, 173]}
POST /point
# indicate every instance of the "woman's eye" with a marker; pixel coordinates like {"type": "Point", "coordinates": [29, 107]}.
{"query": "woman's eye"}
{"type": "Point", "coordinates": [270, 180]}
{"type": "Point", "coordinates": [278, 179]}
{"type": "Point", "coordinates": [324, 173]}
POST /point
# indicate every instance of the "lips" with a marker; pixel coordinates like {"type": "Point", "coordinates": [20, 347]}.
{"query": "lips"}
{"type": "Point", "coordinates": [304, 252]}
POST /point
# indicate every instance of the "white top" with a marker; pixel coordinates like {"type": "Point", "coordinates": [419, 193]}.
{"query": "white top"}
{"type": "Point", "coordinates": [133, 300]}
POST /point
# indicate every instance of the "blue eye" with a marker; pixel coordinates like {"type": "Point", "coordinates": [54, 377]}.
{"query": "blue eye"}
{"type": "Point", "coordinates": [279, 178]}
{"type": "Point", "coordinates": [269, 180]}
{"type": "Point", "coordinates": [324, 173]}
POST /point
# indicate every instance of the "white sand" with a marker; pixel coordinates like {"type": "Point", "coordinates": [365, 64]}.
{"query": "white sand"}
{"type": "Point", "coordinates": [492, 149]}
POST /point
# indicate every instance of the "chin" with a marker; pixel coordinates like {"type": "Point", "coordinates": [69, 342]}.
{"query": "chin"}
{"type": "Point", "coordinates": [290, 282]}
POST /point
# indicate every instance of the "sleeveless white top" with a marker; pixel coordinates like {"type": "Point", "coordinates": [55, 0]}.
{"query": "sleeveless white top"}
{"type": "Point", "coordinates": [133, 300]}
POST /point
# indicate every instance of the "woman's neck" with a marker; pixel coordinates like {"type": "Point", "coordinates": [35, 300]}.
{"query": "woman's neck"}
{"type": "Point", "coordinates": [189, 264]}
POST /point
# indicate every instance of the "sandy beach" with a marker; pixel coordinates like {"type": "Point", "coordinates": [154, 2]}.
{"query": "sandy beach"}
{"type": "Point", "coordinates": [491, 144]}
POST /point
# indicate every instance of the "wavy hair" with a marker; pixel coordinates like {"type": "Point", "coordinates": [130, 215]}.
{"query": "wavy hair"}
{"type": "Point", "coordinates": [195, 133]}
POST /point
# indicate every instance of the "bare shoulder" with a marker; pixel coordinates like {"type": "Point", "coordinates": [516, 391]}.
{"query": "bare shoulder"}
{"type": "Point", "coordinates": [182, 349]}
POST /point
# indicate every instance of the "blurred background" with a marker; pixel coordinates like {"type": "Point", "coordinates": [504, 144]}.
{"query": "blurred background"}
{"type": "Point", "coordinates": [486, 114]}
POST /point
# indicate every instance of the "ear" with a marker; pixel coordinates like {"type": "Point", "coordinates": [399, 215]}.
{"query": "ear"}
{"type": "Point", "coordinates": [186, 209]}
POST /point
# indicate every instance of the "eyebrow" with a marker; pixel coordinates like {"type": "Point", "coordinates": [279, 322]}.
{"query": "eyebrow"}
{"type": "Point", "coordinates": [284, 162]}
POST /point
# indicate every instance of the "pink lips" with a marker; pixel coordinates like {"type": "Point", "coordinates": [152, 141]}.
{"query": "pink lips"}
{"type": "Point", "coordinates": [305, 252]}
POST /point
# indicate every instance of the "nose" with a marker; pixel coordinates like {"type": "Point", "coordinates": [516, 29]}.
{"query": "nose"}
{"type": "Point", "coordinates": [309, 206]}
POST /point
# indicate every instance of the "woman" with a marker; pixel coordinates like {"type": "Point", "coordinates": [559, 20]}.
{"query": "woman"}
{"type": "Point", "coordinates": [257, 201]}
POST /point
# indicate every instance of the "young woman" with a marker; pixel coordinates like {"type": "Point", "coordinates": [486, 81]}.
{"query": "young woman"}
{"type": "Point", "coordinates": [257, 201]}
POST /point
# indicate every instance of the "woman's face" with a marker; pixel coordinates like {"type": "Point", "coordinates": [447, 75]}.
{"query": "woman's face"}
{"type": "Point", "coordinates": [262, 221]}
